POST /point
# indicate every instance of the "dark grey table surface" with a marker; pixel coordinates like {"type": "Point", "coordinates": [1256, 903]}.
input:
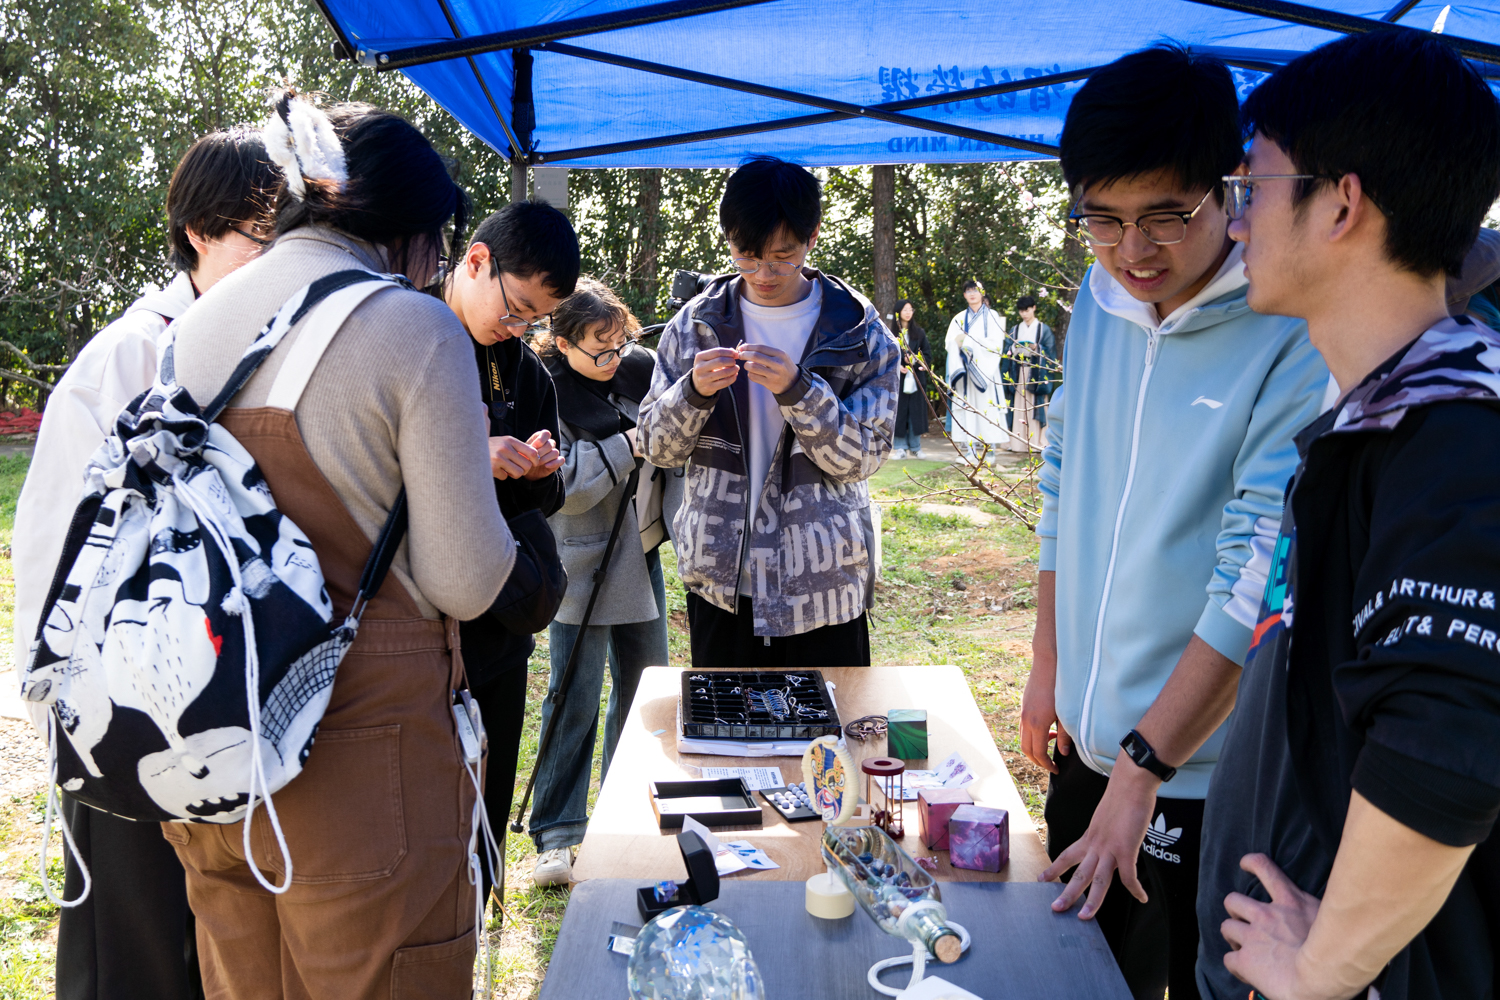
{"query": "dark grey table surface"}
{"type": "Point", "coordinates": [1021, 950]}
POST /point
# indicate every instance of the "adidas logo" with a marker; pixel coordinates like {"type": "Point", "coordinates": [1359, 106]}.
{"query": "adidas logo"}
{"type": "Point", "coordinates": [1159, 835]}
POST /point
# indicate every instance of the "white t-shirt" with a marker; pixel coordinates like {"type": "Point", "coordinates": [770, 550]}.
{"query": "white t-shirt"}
{"type": "Point", "coordinates": [1026, 332]}
{"type": "Point", "coordinates": [786, 328]}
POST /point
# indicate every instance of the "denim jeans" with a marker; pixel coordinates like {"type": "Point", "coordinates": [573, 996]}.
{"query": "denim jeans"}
{"type": "Point", "coordinates": [911, 441]}
{"type": "Point", "coordinates": [559, 815]}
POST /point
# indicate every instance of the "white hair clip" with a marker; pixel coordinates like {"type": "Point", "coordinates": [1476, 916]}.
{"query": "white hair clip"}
{"type": "Point", "coordinates": [301, 141]}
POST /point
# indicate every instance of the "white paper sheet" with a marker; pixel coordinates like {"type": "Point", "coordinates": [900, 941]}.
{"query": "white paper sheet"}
{"type": "Point", "coordinates": [752, 856]}
{"type": "Point", "coordinates": [756, 778]}
{"type": "Point", "coordinates": [954, 772]}
{"type": "Point", "coordinates": [735, 856]}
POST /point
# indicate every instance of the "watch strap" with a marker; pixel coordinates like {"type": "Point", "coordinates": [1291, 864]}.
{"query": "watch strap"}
{"type": "Point", "coordinates": [1140, 750]}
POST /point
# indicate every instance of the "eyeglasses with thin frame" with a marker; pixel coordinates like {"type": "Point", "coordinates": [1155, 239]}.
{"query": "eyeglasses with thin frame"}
{"type": "Point", "coordinates": [252, 238]}
{"type": "Point", "coordinates": [605, 358]}
{"type": "Point", "coordinates": [1239, 189]}
{"type": "Point", "coordinates": [516, 324]}
{"type": "Point", "coordinates": [775, 268]}
{"type": "Point", "coordinates": [1161, 228]}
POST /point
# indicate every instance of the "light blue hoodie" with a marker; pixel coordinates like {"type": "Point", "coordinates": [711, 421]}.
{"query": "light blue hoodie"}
{"type": "Point", "coordinates": [1169, 448]}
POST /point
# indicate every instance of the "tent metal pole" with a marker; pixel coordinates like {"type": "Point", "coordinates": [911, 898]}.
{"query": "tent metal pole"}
{"type": "Point", "coordinates": [1348, 24]}
{"type": "Point", "coordinates": [708, 135]}
{"type": "Point", "coordinates": [342, 48]}
{"type": "Point", "coordinates": [681, 138]}
{"type": "Point", "coordinates": [533, 36]}
{"type": "Point", "coordinates": [802, 121]}
{"type": "Point", "coordinates": [1399, 11]}
{"type": "Point", "coordinates": [515, 144]}
{"type": "Point", "coordinates": [843, 107]}
{"type": "Point", "coordinates": [1270, 60]}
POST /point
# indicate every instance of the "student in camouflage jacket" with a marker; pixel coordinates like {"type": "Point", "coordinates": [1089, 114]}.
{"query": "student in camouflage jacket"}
{"type": "Point", "coordinates": [810, 547]}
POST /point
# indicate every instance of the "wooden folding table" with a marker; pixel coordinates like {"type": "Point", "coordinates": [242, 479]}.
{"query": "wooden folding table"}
{"type": "Point", "coordinates": [624, 840]}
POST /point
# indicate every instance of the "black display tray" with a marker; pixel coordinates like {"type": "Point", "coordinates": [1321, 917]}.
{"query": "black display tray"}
{"type": "Point", "coordinates": [712, 802]}
{"type": "Point", "coordinates": [798, 815]}
{"type": "Point", "coordinates": [751, 705]}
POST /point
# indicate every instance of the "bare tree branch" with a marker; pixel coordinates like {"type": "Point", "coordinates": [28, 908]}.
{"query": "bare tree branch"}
{"type": "Point", "coordinates": [26, 359]}
{"type": "Point", "coordinates": [27, 379]}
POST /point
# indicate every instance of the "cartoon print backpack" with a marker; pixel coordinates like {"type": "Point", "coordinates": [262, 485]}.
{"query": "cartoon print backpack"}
{"type": "Point", "coordinates": [187, 647]}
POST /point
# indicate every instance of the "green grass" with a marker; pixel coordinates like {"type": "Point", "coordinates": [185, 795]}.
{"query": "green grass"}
{"type": "Point", "coordinates": [28, 921]}
{"type": "Point", "coordinates": [951, 592]}
{"type": "Point", "coordinates": [12, 475]}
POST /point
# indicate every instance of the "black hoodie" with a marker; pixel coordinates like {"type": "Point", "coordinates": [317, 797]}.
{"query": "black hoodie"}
{"type": "Point", "coordinates": [1376, 663]}
{"type": "Point", "coordinates": [521, 400]}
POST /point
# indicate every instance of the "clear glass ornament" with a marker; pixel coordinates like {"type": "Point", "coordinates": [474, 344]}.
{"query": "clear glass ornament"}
{"type": "Point", "coordinates": [692, 953]}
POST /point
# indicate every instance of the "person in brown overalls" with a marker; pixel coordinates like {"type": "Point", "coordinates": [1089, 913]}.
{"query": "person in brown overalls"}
{"type": "Point", "coordinates": [378, 823]}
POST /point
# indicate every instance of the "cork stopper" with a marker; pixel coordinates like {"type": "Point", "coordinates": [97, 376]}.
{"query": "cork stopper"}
{"type": "Point", "coordinates": [948, 948]}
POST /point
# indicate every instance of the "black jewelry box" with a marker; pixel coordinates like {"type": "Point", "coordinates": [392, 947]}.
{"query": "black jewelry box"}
{"type": "Point", "coordinates": [712, 802]}
{"type": "Point", "coordinates": [702, 885]}
{"type": "Point", "coordinates": [757, 705]}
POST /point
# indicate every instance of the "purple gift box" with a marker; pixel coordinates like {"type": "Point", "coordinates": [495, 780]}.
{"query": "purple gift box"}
{"type": "Point", "coordinates": [934, 807]}
{"type": "Point", "coordinates": [979, 838]}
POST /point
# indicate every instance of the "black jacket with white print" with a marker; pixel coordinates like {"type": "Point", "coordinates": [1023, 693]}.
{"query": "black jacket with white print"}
{"type": "Point", "coordinates": [1376, 664]}
{"type": "Point", "coordinates": [812, 539]}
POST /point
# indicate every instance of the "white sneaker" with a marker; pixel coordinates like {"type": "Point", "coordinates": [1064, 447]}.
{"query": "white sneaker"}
{"type": "Point", "coordinates": [554, 867]}
{"type": "Point", "coordinates": [917, 455]}
{"type": "Point", "coordinates": [898, 454]}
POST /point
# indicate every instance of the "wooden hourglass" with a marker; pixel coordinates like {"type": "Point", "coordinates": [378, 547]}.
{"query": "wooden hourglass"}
{"type": "Point", "coordinates": [885, 790]}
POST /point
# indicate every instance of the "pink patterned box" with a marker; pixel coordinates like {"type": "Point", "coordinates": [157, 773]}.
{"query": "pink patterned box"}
{"type": "Point", "coordinates": [979, 838]}
{"type": "Point", "coordinates": [934, 807]}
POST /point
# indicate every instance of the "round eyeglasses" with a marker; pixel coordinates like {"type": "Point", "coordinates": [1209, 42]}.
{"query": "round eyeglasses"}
{"type": "Point", "coordinates": [776, 268]}
{"type": "Point", "coordinates": [1161, 228]}
{"type": "Point", "coordinates": [1239, 189]}
{"type": "Point", "coordinates": [606, 358]}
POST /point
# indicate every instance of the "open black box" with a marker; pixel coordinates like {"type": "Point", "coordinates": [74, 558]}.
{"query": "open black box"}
{"type": "Point", "coordinates": [710, 801]}
{"type": "Point", "coordinates": [702, 885]}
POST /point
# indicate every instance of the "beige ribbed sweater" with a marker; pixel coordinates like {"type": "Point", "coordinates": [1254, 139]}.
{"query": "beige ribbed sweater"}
{"type": "Point", "coordinates": [395, 399]}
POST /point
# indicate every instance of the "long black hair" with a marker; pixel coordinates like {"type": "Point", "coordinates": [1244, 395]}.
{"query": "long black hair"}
{"type": "Point", "coordinates": [901, 304]}
{"type": "Point", "coordinates": [399, 193]}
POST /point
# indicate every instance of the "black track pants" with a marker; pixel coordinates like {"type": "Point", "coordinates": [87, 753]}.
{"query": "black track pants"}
{"type": "Point", "coordinates": [1155, 943]}
{"type": "Point", "coordinates": [502, 706]}
{"type": "Point", "coordinates": [720, 639]}
{"type": "Point", "coordinates": [133, 938]}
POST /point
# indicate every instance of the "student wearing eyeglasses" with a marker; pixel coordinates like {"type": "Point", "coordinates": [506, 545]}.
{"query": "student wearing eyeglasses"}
{"type": "Point", "coordinates": [601, 374]}
{"type": "Point", "coordinates": [1168, 449]}
{"type": "Point", "coordinates": [1349, 837]}
{"type": "Point", "coordinates": [520, 263]}
{"type": "Point", "coordinates": [776, 387]}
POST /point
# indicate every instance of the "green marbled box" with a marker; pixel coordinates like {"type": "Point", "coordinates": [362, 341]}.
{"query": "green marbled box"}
{"type": "Point", "coordinates": [906, 733]}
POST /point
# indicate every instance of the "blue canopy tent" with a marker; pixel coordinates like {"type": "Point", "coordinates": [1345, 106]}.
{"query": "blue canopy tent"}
{"type": "Point", "coordinates": [701, 83]}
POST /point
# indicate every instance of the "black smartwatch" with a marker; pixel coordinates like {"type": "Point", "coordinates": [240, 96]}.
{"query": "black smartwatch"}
{"type": "Point", "coordinates": [1138, 750]}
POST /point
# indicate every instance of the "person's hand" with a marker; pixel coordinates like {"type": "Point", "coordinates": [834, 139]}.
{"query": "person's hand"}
{"type": "Point", "coordinates": [714, 369]}
{"type": "Point", "coordinates": [1112, 843]}
{"type": "Point", "coordinates": [635, 448]}
{"type": "Point", "coordinates": [1266, 937]}
{"type": "Point", "coordinates": [1039, 722]}
{"type": "Point", "coordinates": [548, 458]}
{"type": "Point", "coordinates": [510, 458]}
{"type": "Point", "coordinates": [769, 366]}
